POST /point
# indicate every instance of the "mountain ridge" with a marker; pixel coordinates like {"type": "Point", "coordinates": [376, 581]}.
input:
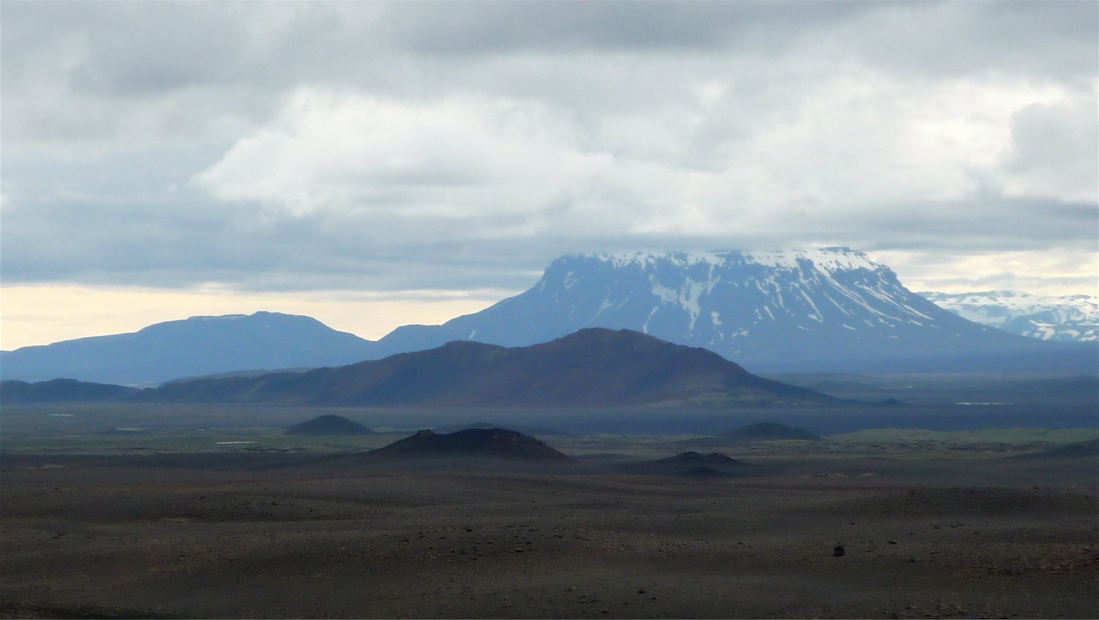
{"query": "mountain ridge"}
{"type": "Point", "coordinates": [816, 310]}
{"type": "Point", "coordinates": [1062, 318]}
{"type": "Point", "coordinates": [592, 367]}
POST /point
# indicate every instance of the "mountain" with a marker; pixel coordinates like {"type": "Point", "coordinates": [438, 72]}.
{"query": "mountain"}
{"type": "Point", "coordinates": [201, 345]}
{"type": "Point", "coordinates": [1066, 318]}
{"type": "Point", "coordinates": [476, 442]}
{"type": "Point", "coordinates": [592, 367]}
{"type": "Point", "coordinates": [328, 425]}
{"type": "Point", "coordinates": [817, 310]}
{"type": "Point", "coordinates": [61, 390]}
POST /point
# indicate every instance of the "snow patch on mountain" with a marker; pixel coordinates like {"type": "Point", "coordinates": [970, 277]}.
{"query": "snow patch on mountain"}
{"type": "Point", "coordinates": [1066, 318]}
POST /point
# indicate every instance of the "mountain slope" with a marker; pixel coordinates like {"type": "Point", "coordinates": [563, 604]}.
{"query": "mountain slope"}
{"type": "Point", "coordinates": [826, 309]}
{"type": "Point", "coordinates": [196, 346]}
{"type": "Point", "coordinates": [1067, 318]}
{"type": "Point", "coordinates": [593, 367]}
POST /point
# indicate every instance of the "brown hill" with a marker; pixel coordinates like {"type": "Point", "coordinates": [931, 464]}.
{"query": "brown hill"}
{"type": "Point", "coordinates": [474, 442]}
{"type": "Point", "coordinates": [593, 367]}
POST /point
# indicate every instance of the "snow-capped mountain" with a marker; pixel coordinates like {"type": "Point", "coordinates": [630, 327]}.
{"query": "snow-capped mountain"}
{"type": "Point", "coordinates": [824, 309]}
{"type": "Point", "coordinates": [1067, 318]}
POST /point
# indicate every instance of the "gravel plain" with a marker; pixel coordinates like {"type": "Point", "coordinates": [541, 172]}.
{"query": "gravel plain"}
{"type": "Point", "coordinates": [293, 536]}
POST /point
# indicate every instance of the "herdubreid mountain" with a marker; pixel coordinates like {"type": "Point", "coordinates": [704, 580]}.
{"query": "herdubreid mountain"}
{"type": "Point", "coordinates": [819, 310]}
{"type": "Point", "coordinates": [592, 367]}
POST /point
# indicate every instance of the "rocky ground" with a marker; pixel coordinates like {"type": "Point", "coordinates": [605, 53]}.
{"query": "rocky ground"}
{"type": "Point", "coordinates": [255, 535]}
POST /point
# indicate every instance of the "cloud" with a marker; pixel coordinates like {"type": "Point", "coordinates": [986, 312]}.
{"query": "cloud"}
{"type": "Point", "coordinates": [450, 145]}
{"type": "Point", "coordinates": [432, 160]}
{"type": "Point", "coordinates": [853, 160]}
{"type": "Point", "coordinates": [1055, 149]}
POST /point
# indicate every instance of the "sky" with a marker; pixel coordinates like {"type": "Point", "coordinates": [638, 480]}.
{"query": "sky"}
{"type": "Point", "coordinates": [373, 164]}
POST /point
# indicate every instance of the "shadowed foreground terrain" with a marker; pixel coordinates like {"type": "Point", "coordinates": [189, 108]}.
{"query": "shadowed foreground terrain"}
{"type": "Point", "coordinates": [247, 534]}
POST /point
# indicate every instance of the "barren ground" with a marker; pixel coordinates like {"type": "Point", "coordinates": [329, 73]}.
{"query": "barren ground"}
{"type": "Point", "coordinates": [252, 534]}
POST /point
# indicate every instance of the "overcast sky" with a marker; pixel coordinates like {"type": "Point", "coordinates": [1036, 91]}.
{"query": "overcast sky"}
{"type": "Point", "coordinates": [374, 163]}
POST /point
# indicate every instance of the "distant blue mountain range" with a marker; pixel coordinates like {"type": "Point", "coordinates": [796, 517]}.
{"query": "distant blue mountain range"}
{"type": "Point", "coordinates": [201, 345]}
{"type": "Point", "coordinates": [818, 310]}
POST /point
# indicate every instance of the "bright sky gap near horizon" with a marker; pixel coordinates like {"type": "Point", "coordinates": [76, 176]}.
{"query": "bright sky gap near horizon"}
{"type": "Point", "coordinates": [373, 164]}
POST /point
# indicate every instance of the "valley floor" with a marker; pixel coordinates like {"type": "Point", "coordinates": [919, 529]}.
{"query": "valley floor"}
{"type": "Point", "coordinates": [290, 535]}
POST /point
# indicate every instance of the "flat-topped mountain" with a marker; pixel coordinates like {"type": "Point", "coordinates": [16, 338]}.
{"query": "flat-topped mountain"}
{"type": "Point", "coordinates": [816, 310]}
{"type": "Point", "coordinates": [201, 345]}
{"type": "Point", "coordinates": [593, 367]}
{"type": "Point", "coordinates": [474, 442]}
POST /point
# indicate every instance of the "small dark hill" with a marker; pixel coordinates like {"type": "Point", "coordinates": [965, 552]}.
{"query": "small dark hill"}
{"type": "Point", "coordinates": [329, 425]}
{"type": "Point", "coordinates": [474, 442]}
{"type": "Point", "coordinates": [695, 459]}
{"type": "Point", "coordinates": [692, 465]}
{"type": "Point", "coordinates": [61, 390]}
{"type": "Point", "coordinates": [768, 431]}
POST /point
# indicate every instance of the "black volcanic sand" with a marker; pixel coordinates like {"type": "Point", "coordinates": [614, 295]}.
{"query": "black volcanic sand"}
{"type": "Point", "coordinates": [227, 535]}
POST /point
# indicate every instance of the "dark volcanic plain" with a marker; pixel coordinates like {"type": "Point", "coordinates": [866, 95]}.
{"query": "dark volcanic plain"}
{"type": "Point", "coordinates": [248, 533]}
{"type": "Point", "coordinates": [943, 507]}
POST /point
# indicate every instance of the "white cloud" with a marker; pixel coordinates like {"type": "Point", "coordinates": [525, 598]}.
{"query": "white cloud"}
{"type": "Point", "coordinates": [458, 159]}
{"type": "Point", "coordinates": [477, 167]}
{"type": "Point", "coordinates": [407, 145]}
